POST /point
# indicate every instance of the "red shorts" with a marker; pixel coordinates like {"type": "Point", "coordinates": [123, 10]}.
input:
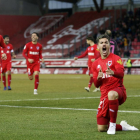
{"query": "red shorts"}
{"type": "Point", "coordinates": [31, 68]}
{"type": "Point", "coordinates": [6, 67]}
{"type": "Point", "coordinates": [103, 117]}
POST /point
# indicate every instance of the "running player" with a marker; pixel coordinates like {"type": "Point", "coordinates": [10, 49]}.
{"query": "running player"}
{"type": "Point", "coordinates": [108, 73]}
{"type": "Point", "coordinates": [92, 53]}
{"type": "Point", "coordinates": [33, 52]}
{"type": "Point", "coordinates": [6, 64]}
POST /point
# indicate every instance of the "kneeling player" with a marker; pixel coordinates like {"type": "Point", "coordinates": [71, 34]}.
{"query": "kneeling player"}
{"type": "Point", "coordinates": [108, 72]}
{"type": "Point", "coordinates": [34, 52]}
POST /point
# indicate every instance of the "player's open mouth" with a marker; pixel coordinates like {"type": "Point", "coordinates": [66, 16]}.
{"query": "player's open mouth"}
{"type": "Point", "coordinates": [104, 50]}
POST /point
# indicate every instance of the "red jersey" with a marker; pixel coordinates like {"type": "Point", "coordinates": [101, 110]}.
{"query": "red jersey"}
{"type": "Point", "coordinates": [2, 44]}
{"type": "Point", "coordinates": [33, 51]}
{"type": "Point", "coordinates": [108, 82]}
{"type": "Point", "coordinates": [92, 53]}
{"type": "Point", "coordinates": [7, 51]}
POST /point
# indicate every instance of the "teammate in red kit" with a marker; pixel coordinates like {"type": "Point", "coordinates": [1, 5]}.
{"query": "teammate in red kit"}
{"type": "Point", "coordinates": [3, 57]}
{"type": "Point", "coordinates": [6, 64]}
{"type": "Point", "coordinates": [108, 73]}
{"type": "Point", "coordinates": [33, 53]}
{"type": "Point", "coordinates": [93, 54]}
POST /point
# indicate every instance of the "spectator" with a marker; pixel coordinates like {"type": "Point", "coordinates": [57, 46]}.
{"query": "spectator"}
{"type": "Point", "coordinates": [129, 65]}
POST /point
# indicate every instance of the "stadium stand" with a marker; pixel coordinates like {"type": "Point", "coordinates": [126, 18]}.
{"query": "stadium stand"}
{"type": "Point", "coordinates": [60, 43]}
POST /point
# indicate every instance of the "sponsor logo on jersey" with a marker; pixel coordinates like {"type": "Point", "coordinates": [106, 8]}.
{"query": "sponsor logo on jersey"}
{"type": "Point", "coordinates": [109, 63]}
{"type": "Point", "coordinates": [37, 47]}
{"type": "Point", "coordinates": [120, 62]}
{"type": "Point", "coordinates": [8, 52]}
{"type": "Point", "coordinates": [31, 47]}
{"type": "Point", "coordinates": [33, 53]}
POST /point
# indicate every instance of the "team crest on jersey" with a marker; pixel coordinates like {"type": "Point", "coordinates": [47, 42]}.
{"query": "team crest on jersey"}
{"type": "Point", "coordinates": [8, 47]}
{"type": "Point", "coordinates": [92, 48]}
{"type": "Point", "coordinates": [37, 48]}
{"type": "Point", "coordinates": [109, 63]}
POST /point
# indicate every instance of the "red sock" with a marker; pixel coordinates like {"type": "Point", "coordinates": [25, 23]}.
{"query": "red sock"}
{"type": "Point", "coordinates": [113, 109]}
{"type": "Point", "coordinates": [9, 79]}
{"type": "Point", "coordinates": [90, 82]}
{"type": "Point", "coordinates": [118, 127]}
{"type": "Point", "coordinates": [36, 81]}
{"type": "Point", "coordinates": [4, 80]}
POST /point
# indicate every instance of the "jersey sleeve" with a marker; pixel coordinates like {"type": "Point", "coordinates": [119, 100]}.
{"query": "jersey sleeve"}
{"type": "Point", "coordinates": [2, 44]}
{"type": "Point", "coordinates": [25, 51]}
{"type": "Point", "coordinates": [97, 54]}
{"type": "Point", "coordinates": [119, 68]}
{"type": "Point", "coordinates": [40, 53]}
{"type": "Point", "coordinates": [84, 54]}
{"type": "Point", "coordinates": [12, 50]}
{"type": "Point", "coordinates": [97, 83]}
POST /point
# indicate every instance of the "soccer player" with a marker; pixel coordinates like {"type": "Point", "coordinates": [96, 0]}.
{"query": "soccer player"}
{"type": "Point", "coordinates": [3, 57]}
{"type": "Point", "coordinates": [6, 64]}
{"type": "Point", "coordinates": [108, 73]}
{"type": "Point", "coordinates": [92, 53]}
{"type": "Point", "coordinates": [33, 53]}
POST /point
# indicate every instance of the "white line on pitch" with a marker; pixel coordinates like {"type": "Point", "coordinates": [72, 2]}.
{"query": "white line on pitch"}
{"type": "Point", "coordinates": [57, 108]}
{"type": "Point", "coordinates": [58, 99]}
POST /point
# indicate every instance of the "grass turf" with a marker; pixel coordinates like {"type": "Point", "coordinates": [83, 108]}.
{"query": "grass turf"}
{"type": "Point", "coordinates": [20, 120]}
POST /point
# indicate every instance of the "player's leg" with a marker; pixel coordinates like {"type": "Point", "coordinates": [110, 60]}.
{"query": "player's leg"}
{"type": "Point", "coordinates": [113, 109]}
{"type": "Point", "coordinates": [4, 80]}
{"type": "Point", "coordinates": [90, 80]}
{"type": "Point", "coordinates": [36, 83]}
{"type": "Point", "coordinates": [4, 69]}
{"type": "Point", "coordinates": [9, 79]}
{"type": "Point", "coordinates": [9, 75]}
{"type": "Point", "coordinates": [30, 73]}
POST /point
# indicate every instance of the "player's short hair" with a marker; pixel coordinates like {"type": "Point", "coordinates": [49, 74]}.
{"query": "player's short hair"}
{"type": "Point", "coordinates": [36, 34]}
{"type": "Point", "coordinates": [90, 38]}
{"type": "Point", "coordinates": [103, 36]}
{"type": "Point", "coordinates": [109, 33]}
{"type": "Point", "coordinates": [5, 36]}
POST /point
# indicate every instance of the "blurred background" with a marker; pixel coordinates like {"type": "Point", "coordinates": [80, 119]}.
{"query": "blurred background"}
{"type": "Point", "coordinates": [63, 25]}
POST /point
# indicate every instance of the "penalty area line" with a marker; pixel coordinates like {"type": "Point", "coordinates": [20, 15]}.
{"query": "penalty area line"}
{"type": "Point", "coordinates": [57, 108]}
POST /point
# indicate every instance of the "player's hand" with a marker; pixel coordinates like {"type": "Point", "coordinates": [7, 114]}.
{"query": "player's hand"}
{"type": "Point", "coordinates": [14, 56]}
{"type": "Point", "coordinates": [30, 60]}
{"type": "Point", "coordinates": [92, 60]}
{"type": "Point", "coordinates": [109, 71]}
{"type": "Point", "coordinates": [75, 58]}
{"type": "Point", "coordinates": [3, 56]}
{"type": "Point", "coordinates": [100, 74]}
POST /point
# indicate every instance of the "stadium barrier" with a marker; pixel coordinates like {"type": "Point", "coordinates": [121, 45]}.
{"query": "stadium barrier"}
{"type": "Point", "coordinates": [67, 66]}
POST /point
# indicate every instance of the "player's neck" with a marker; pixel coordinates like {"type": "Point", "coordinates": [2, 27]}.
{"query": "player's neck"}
{"type": "Point", "coordinates": [104, 57]}
{"type": "Point", "coordinates": [91, 44]}
{"type": "Point", "coordinates": [34, 42]}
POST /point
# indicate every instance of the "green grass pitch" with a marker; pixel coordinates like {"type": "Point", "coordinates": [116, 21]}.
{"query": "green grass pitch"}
{"type": "Point", "coordinates": [53, 114]}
